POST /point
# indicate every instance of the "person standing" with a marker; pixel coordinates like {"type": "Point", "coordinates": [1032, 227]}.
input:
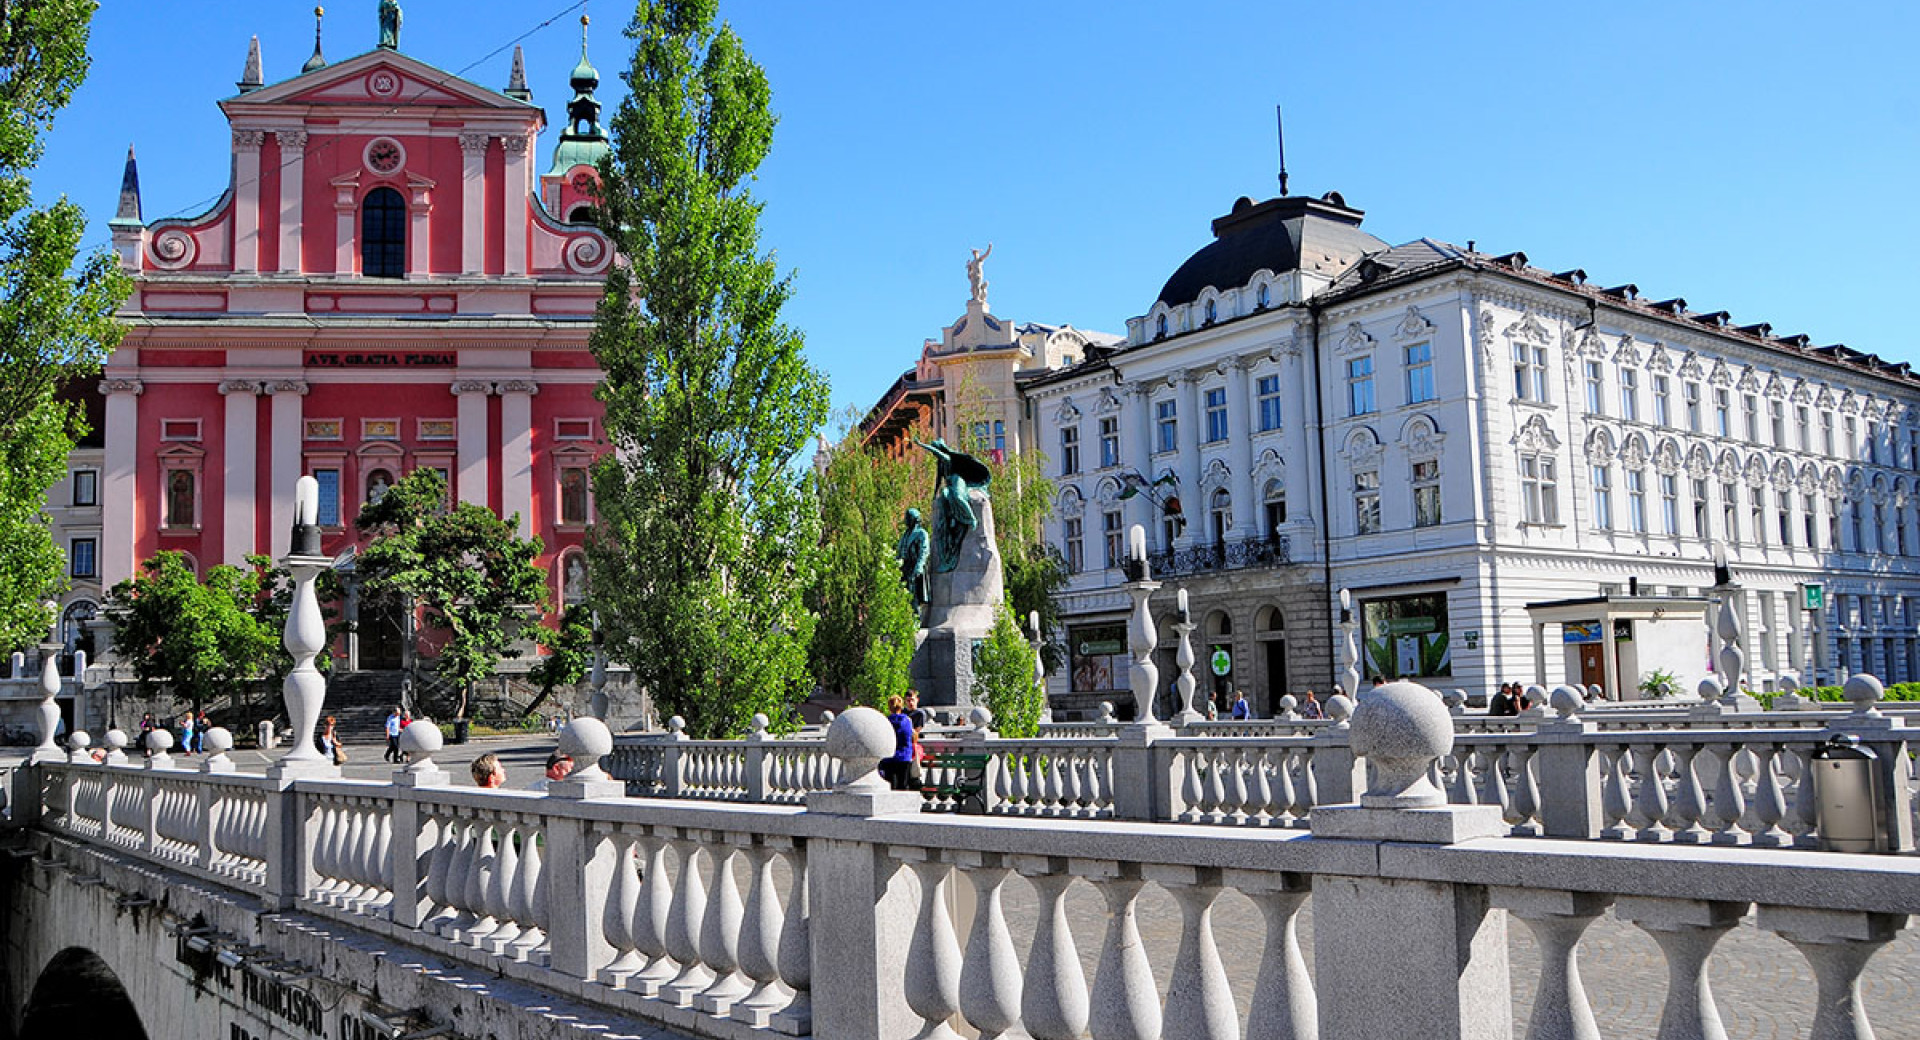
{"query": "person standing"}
{"type": "Point", "coordinates": [186, 734]}
{"type": "Point", "coordinates": [1310, 707]}
{"type": "Point", "coordinates": [394, 726]}
{"type": "Point", "coordinates": [898, 769]}
{"type": "Point", "coordinates": [200, 726]}
{"type": "Point", "coordinates": [488, 772]}
{"type": "Point", "coordinates": [1242, 711]}
{"type": "Point", "coordinates": [330, 743]}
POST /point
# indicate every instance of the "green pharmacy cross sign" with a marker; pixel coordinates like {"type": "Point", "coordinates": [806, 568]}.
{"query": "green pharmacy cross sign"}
{"type": "Point", "coordinates": [1222, 662]}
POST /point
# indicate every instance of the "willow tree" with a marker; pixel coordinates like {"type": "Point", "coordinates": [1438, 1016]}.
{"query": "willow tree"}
{"type": "Point", "coordinates": [56, 308]}
{"type": "Point", "coordinates": [706, 537]}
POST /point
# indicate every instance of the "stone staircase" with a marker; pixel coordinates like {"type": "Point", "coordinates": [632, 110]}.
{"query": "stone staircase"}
{"type": "Point", "coordinates": [360, 702]}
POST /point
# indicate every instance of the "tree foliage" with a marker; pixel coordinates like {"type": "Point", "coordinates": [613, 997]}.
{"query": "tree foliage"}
{"type": "Point", "coordinates": [569, 654]}
{"type": "Point", "coordinates": [203, 639]}
{"type": "Point", "coordinates": [470, 570]}
{"type": "Point", "coordinates": [56, 310]}
{"type": "Point", "coordinates": [1003, 679]}
{"type": "Point", "coordinates": [706, 537]}
{"type": "Point", "coordinates": [885, 669]}
{"type": "Point", "coordinates": [863, 495]}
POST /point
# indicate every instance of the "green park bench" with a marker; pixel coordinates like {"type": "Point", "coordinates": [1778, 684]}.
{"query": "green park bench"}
{"type": "Point", "coordinates": [962, 780]}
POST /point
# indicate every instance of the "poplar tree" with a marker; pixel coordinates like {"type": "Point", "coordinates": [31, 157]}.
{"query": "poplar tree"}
{"type": "Point", "coordinates": [706, 537]}
{"type": "Point", "coordinates": [56, 310]}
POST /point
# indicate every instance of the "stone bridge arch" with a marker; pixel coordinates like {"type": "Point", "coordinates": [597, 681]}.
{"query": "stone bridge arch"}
{"type": "Point", "coordinates": [78, 994]}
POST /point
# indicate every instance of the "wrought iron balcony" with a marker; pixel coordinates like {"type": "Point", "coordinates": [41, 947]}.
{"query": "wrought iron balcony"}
{"type": "Point", "coordinates": [1222, 556]}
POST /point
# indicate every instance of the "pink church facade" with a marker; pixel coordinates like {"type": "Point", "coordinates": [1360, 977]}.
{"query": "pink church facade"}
{"type": "Point", "coordinates": [392, 281]}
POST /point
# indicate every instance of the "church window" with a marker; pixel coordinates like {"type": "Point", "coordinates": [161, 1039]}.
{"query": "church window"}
{"type": "Point", "coordinates": [329, 481]}
{"type": "Point", "coordinates": [182, 497]}
{"type": "Point", "coordinates": [383, 234]}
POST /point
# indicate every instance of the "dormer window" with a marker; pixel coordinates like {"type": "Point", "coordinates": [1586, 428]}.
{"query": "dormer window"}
{"type": "Point", "coordinates": [1160, 327]}
{"type": "Point", "coordinates": [383, 234]}
{"type": "Point", "coordinates": [1263, 297]}
{"type": "Point", "coordinates": [1212, 314]}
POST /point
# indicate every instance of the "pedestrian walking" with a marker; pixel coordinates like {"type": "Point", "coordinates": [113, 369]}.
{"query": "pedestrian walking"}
{"type": "Point", "coordinates": [394, 726]}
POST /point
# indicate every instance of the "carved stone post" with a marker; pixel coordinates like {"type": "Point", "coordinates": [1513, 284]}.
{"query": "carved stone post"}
{"type": "Point", "coordinates": [304, 689]}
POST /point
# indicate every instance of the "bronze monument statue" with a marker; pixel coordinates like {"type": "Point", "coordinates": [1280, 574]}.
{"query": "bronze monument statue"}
{"type": "Point", "coordinates": [912, 553]}
{"type": "Point", "coordinates": [953, 517]}
{"type": "Point", "coordinates": [390, 25]}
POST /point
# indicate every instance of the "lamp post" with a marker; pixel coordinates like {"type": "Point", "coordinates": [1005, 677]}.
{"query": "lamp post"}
{"type": "Point", "coordinates": [1141, 636]}
{"type": "Point", "coordinates": [1183, 624]}
{"type": "Point", "coordinates": [49, 711]}
{"type": "Point", "coordinates": [305, 689]}
{"type": "Point", "coordinates": [1350, 648]}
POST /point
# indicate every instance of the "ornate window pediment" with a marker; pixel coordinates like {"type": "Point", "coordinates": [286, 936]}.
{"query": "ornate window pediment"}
{"type": "Point", "coordinates": [1666, 456]}
{"type": "Point", "coordinates": [1690, 366]}
{"type": "Point", "coordinates": [1421, 437]}
{"type": "Point", "coordinates": [1728, 467]}
{"type": "Point", "coordinates": [1802, 393]}
{"type": "Point", "coordinates": [1599, 446]}
{"type": "Point", "coordinates": [1071, 503]}
{"type": "Point", "coordinates": [1109, 402]}
{"type": "Point", "coordinates": [1413, 325]}
{"type": "Point", "coordinates": [1362, 449]}
{"type": "Point", "coordinates": [1218, 475]}
{"type": "Point", "coordinates": [1628, 352]}
{"type": "Point", "coordinates": [1529, 329]}
{"type": "Point", "coordinates": [1355, 339]}
{"type": "Point", "coordinates": [1270, 466]}
{"type": "Point", "coordinates": [1809, 480]}
{"type": "Point", "coordinates": [1699, 462]}
{"type": "Point", "coordinates": [1108, 493]}
{"type": "Point", "coordinates": [1756, 471]}
{"type": "Point", "coordinates": [1783, 476]}
{"type": "Point", "coordinates": [1067, 413]}
{"type": "Point", "coordinates": [1825, 398]}
{"type": "Point", "coordinates": [1776, 388]}
{"type": "Point", "coordinates": [1749, 381]}
{"type": "Point", "coordinates": [1589, 345]}
{"type": "Point", "coordinates": [1659, 359]}
{"type": "Point", "coordinates": [1634, 453]}
{"type": "Point", "coordinates": [1849, 404]}
{"type": "Point", "coordinates": [1722, 376]}
{"type": "Point", "coordinates": [1535, 435]}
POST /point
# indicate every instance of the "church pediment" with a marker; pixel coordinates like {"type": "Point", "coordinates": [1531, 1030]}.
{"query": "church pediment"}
{"type": "Point", "coordinates": [378, 77]}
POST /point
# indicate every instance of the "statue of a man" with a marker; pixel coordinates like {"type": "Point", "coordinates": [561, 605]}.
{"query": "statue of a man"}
{"type": "Point", "coordinates": [953, 517]}
{"type": "Point", "coordinates": [912, 552]}
{"type": "Point", "coordinates": [390, 25]}
{"type": "Point", "coordinates": [977, 275]}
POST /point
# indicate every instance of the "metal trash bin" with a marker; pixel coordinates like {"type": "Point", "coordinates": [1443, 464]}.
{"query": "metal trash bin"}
{"type": "Point", "coordinates": [459, 731]}
{"type": "Point", "coordinates": [1846, 792]}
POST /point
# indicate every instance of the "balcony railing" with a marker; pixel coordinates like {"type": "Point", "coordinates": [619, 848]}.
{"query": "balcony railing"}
{"type": "Point", "coordinates": [1223, 556]}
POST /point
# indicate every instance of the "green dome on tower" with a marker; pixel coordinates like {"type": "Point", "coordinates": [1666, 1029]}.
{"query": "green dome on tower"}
{"type": "Point", "coordinates": [583, 142]}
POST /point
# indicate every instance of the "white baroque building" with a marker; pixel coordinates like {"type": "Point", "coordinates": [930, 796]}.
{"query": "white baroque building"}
{"type": "Point", "coordinates": [1454, 437]}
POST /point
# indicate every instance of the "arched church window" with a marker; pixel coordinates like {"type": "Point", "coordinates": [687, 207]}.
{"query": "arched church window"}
{"type": "Point", "coordinates": [383, 234]}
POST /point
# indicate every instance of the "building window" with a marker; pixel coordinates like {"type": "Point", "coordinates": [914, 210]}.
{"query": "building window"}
{"type": "Point", "coordinates": [1700, 509]}
{"type": "Point", "coordinates": [1419, 373]}
{"type": "Point", "coordinates": [383, 234]}
{"type": "Point", "coordinates": [1170, 528]}
{"type": "Point", "coordinates": [1730, 511]}
{"type": "Point", "coordinates": [1900, 530]}
{"type": "Point", "coordinates": [1263, 297]}
{"type": "Point", "coordinates": [1276, 503]}
{"type": "Point", "coordinates": [1167, 419]}
{"type": "Point", "coordinates": [1530, 373]}
{"type": "Point", "coordinates": [1662, 401]}
{"type": "Point", "coordinates": [1873, 443]}
{"type": "Point", "coordinates": [80, 558]}
{"type": "Point", "coordinates": [180, 498]}
{"type": "Point", "coordinates": [1806, 427]}
{"type": "Point", "coordinates": [1603, 498]}
{"type": "Point", "coordinates": [1160, 327]}
{"type": "Point", "coordinates": [86, 487]}
{"type": "Point", "coordinates": [1109, 442]}
{"type": "Point", "coordinates": [573, 495]}
{"type": "Point", "coordinates": [1750, 406]}
{"type": "Point", "coordinates": [1809, 509]}
{"type": "Point", "coordinates": [1366, 501]}
{"type": "Point", "coordinates": [1637, 501]}
{"type": "Point", "coordinates": [1826, 432]}
{"type": "Point", "coordinates": [1853, 437]}
{"type": "Point", "coordinates": [1426, 493]}
{"type": "Point", "coordinates": [329, 481]}
{"type": "Point", "coordinates": [1069, 450]}
{"type": "Point", "coordinates": [1213, 313]}
{"type": "Point", "coordinates": [1692, 391]}
{"type": "Point", "coordinates": [1269, 393]}
{"type": "Point", "coordinates": [1220, 512]}
{"type": "Point", "coordinates": [1833, 525]}
{"type": "Point", "coordinates": [1879, 528]}
{"type": "Point", "coordinates": [1216, 416]}
{"type": "Point", "coordinates": [1670, 503]}
{"type": "Point", "coordinates": [1596, 394]}
{"type": "Point", "coordinates": [1360, 386]}
{"type": "Point", "coordinates": [1722, 413]}
{"type": "Point", "coordinates": [1859, 542]}
{"type": "Point", "coordinates": [1785, 513]}
{"type": "Point", "coordinates": [1777, 421]}
{"type": "Point", "coordinates": [1076, 553]}
{"type": "Point", "coordinates": [1116, 538]}
{"type": "Point", "coordinates": [1629, 395]}
{"type": "Point", "coordinates": [1539, 489]}
{"type": "Point", "coordinates": [1757, 515]}
{"type": "Point", "coordinates": [378, 481]}
{"type": "Point", "coordinates": [179, 429]}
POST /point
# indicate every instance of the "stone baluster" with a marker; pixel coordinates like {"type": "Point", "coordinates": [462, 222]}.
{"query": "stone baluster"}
{"type": "Point", "coordinates": [1837, 945]}
{"type": "Point", "coordinates": [1125, 1004]}
{"type": "Point", "coordinates": [1307, 785]}
{"type": "Point", "coordinates": [1284, 795]}
{"type": "Point", "coordinates": [1460, 786]}
{"type": "Point", "coordinates": [1801, 821]}
{"type": "Point", "coordinates": [1557, 921]}
{"type": "Point", "coordinates": [796, 945]}
{"type": "Point", "coordinates": [1053, 1006]}
{"type": "Point", "coordinates": [1260, 794]}
{"type": "Point", "coordinates": [1237, 786]}
{"type": "Point", "coordinates": [1216, 797]}
{"type": "Point", "coordinates": [1686, 931]}
{"type": "Point", "coordinates": [1650, 799]}
{"type": "Point", "coordinates": [1284, 1007]}
{"type": "Point", "coordinates": [623, 901]}
{"type": "Point", "coordinates": [1616, 798]}
{"type": "Point", "coordinates": [652, 918]}
{"type": "Point", "coordinates": [381, 868]}
{"type": "Point", "coordinates": [1493, 781]}
{"type": "Point", "coordinates": [1192, 787]}
{"type": "Point", "coordinates": [759, 952]}
{"type": "Point", "coordinates": [479, 881]}
{"type": "Point", "coordinates": [322, 854]}
{"type": "Point", "coordinates": [1689, 800]}
{"type": "Point", "coordinates": [1199, 1003]}
{"type": "Point", "coordinates": [720, 931]}
{"type": "Point", "coordinates": [990, 974]}
{"type": "Point", "coordinates": [529, 900]}
{"type": "Point", "coordinates": [439, 871]}
{"type": "Point", "coordinates": [1729, 798]}
{"type": "Point", "coordinates": [500, 888]}
{"type": "Point", "coordinates": [933, 954]}
{"type": "Point", "coordinates": [1526, 794]}
{"type": "Point", "coordinates": [683, 924]}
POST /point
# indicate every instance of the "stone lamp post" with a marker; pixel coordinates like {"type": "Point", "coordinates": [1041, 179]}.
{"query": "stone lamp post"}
{"type": "Point", "coordinates": [1141, 636]}
{"type": "Point", "coordinates": [1349, 648]}
{"type": "Point", "coordinates": [49, 711]}
{"type": "Point", "coordinates": [305, 689]}
{"type": "Point", "coordinates": [1183, 624]}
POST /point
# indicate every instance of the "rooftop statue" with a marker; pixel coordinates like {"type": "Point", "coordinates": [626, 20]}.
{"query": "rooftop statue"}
{"type": "Point", "coordinates": [390, 25]}
{"type": "Point", "coordinates": [953, 517]}
{"type": "Point", "coordinates": [977, 275]}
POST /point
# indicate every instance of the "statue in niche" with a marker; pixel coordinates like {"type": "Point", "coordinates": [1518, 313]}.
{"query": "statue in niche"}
{"type": "Point", "coordinates": [576, 581]}
{"type": "Point", "coordinates": [953, 517]}
{"type": "Point", "coordinates": [977, 275]}
{"type": "Point", "coordinates": [912, 552]}
{"type": "Point", "coordinates": [390, 25]}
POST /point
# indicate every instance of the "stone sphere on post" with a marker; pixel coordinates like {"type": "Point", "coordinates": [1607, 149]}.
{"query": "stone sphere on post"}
{"type": "Point", "coordinates": [217, 742]}
{"type": "Point", "coordinates": [860, 738]}
{"type": "Point", "coordinates": [981, 718]}
{"type": "Point", "coordinates": [418, 741]}
{"type": "Point", "coordinates": [586, 740]}
{"type": "Point", "coordinates": [1709, 689]}
{"type": "Point", "coordinates": [1864, 692]}
{"type": "Point", "coordinates": [1339, 709]}
{"type": "Point", "coordinates": [1401, 728]}
{"type": "Point", "coordinates": [116, 742]}
{"type": "Point", "coordinates": [77, 742]}
{"type": "Point", "coordinates": [159, 742]}
{"type": "Point", "coordinates": [1566, 701]}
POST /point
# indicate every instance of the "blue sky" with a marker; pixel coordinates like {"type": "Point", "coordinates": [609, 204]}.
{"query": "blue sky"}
{"type": "Point", "coordinates": [1755, 158]}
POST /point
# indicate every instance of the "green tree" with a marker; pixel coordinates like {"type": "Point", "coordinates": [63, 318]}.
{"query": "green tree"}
{"type": "Point", "coordinates": [885, 669]}
{"type": "Point", "coordinates": [569, 654]}
{"type": "Point", "coordinates": [863, 495]}
{"type": "Point", "coordinates": [470, 570]}
{"type": "Point", "coordinates": [1003, 679]}
{"type": "Point", "coordinates": [56, 309]}
{"type": "Point", "coordinates": [706, 537]}
{"type": "Point", "coordinates": [200, 638]}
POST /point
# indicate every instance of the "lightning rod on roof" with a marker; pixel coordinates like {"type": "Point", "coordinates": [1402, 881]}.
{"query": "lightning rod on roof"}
{"type": "Point", "coordinates": [1280, 134]}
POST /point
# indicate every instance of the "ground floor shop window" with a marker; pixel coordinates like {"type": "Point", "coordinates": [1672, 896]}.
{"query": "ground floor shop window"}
{"type": "Point", "coordinates": [1406, 636]}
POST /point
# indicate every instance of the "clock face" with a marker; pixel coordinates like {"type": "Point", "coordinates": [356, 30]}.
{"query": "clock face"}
{"type": "Point", "coordinates": [384, 155]}
{"type": "Point", "coordinates": [583, 182]}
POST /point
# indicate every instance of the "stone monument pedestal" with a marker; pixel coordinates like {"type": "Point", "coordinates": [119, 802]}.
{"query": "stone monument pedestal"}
{"type": "Point", "coordinates": [960, 612]}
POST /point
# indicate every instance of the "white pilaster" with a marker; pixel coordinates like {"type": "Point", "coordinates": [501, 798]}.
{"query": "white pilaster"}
{"type": "Point", "coordinates": [117, 481]}
{"type": "Point", "coordinates": [516, 451]}
{"type": "Point", "coordinates": [473, 221]}
{"type": "Point", "coordinates": [242, 446]}
{"type": "Point", "coordinates": [346, 207]}
{"type": "Point", "coordinates": [1192, 508]}
{"type": "Point", "coordinates": [514, 211]}
{"type": "Point", "coordinates": [1301, 479]}
{"type": "Point", "coordinates": [289, 413]}
{"type": "Point", "coordinates": [293, 175]}
{"type": "Point", "coordinates": [246, 199]}
{"type": "Point", "coordinates": [1136, 428]}
{"type": "Point", "coordinates": [470, 462]}
{"type": "Point", "coordinates": [419, 230]}
{"type": "Point", "coordinates": [1247, 512]}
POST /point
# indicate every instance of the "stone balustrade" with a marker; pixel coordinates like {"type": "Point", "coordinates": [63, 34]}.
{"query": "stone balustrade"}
{"type": "Point", "coordinates": [836, 917]}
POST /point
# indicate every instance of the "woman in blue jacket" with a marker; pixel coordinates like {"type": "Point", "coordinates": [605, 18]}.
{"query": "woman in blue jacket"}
{"type": "Point", "coordinates": [899, 769]}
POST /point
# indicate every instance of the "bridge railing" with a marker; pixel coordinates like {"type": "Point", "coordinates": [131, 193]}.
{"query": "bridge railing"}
{"type": "Point", "coordinates": [721, 918]}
